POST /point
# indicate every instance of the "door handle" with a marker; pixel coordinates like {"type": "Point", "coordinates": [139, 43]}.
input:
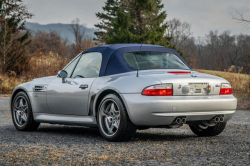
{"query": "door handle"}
{"type": "Point", "coordinates": [83, 86]}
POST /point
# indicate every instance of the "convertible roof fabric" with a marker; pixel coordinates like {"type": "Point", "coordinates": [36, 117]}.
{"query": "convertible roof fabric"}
{"type": "Point", "coordinates": [112, 56]}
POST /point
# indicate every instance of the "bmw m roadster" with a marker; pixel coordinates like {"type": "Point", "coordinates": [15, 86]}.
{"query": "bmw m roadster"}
{"type": "Point", "coordinates": [124, 87]}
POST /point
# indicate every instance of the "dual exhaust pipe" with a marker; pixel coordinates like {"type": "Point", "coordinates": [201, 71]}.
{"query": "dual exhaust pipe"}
{"type": "Point", "coordinates": [180, 121]}
{"type": "Point", "coordinates": [218, 119]}
{"type": "Point", "coordinates": [214, 121]}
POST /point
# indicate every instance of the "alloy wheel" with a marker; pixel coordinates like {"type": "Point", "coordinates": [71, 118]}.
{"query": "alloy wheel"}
{"type": "Point", "coordinates": [109, 117]}
{"type": "Point", "coordinates": [20, 108]}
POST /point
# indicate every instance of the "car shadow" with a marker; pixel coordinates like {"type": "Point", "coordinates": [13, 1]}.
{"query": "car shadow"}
{"type": "Point", "coordinates": [167, 136]}
{"type": "Point", "coordinates": [69, 130]}
{"type": "Point", "coordinates": [93, 133]}
{"type": "Point", "coordinates": [79, 134]}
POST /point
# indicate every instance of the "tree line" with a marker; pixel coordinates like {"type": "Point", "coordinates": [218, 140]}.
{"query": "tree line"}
{"type": "Point", "coordinates": [121, 21]}
{"type": "Point", "coordinates": [215, 51]}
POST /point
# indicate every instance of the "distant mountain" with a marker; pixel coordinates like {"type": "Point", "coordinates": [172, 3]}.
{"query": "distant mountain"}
{"type": "Point", "coordinates": [64, 30]}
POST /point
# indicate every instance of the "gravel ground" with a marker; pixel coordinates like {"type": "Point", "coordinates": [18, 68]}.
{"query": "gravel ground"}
{"type": "Point", "coordinates": [70, 145]}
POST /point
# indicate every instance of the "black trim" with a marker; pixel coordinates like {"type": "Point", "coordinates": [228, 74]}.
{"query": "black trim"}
{"type": "Point", "coordinates": [91, 105]}
{"type": "Point", "coordinates": [76, 65]}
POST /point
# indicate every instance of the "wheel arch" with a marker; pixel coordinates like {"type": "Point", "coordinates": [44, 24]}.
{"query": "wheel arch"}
{"type": "Point", "coordinates": [15, 92]}
{"type": "Point", "coordinates": [102, 95]}
{"type": "Point", "coordinates": [30, 124]}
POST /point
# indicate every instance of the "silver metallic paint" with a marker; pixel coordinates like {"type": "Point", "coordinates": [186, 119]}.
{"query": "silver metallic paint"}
{"type": "Point", "coordinates": [68, 104]}
{"type": "Point", "coordinates": [68, 98]}
{"type": "Point", "coordinates": [65, 119]}
{"type": "Point", "coordinates": [152, 110]}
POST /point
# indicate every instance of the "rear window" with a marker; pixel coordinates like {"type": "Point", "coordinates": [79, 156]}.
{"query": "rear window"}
{"type": "Point", "coordinates": [154, 60]}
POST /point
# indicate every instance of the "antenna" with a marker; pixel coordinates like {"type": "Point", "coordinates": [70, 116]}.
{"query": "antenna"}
{"type": "Point", "coordinates": [137, 71]}
{"type": "Point", "coordinates": [136, 61]}
{"type": "Point", "coordinates": [137, 66]}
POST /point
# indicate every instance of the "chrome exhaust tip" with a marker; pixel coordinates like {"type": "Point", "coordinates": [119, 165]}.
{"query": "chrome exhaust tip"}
{"type": "Point", "coordinates": [184, 120]}
{"type": "Point", "coordinates": [214, 121]}
{"type": "Point", "coordinates": [217, 119]}
{"type": "Point", "coordinates": [221, 119]}
{"type": "Point", "coordinates": [178, 121]}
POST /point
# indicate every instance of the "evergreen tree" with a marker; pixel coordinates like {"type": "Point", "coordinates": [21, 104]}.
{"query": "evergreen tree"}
{"type": "Point", "coordinates": [138, 21]}
{"type": "Point", "coordinates": [13, 36]}
{"type": "Point", "coordinates": [109, 12]}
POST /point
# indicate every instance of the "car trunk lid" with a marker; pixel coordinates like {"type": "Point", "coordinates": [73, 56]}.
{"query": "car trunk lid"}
{"type": "Point", "coordinates": [188, 83]}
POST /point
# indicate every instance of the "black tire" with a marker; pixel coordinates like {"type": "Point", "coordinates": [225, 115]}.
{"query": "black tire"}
{"type": "Point", "coordinates": [29, 124]}
{"type": "Point", "coordinates": [126, 128]}
{"type": "Point", "coordinates": [209, 131]}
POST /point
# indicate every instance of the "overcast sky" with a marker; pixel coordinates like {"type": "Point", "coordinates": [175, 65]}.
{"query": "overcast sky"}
{"type": "Point", "coordinates": [203, 15]}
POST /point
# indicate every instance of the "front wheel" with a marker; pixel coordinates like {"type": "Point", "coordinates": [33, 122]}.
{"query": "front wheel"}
{"type": "Point", "coordinates": [22, 115]}
{"type": "Point", "coordinates": [113, 120]}
{"type": "Point", "coordinates": [206, 131]}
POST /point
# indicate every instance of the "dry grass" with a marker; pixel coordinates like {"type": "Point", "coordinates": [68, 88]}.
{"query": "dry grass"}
{"type": "Point", "coordinates": [7, 84]}
{"type": "Point", "coordinates": [41, 66]}
{"type": "Point", "coordinates": [240, 84]}
{"type": "Point", "coordinates": [45, 65]}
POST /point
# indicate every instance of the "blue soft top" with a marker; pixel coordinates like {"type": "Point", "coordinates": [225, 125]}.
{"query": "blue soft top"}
{"type": "Point", "coordinates": [112, 56]}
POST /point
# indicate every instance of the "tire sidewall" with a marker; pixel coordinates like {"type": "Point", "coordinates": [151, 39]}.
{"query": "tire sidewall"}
{"type": "Point", "coordinates": [123, 118]}
{"type": "Point", "coordinates": [29, 111]}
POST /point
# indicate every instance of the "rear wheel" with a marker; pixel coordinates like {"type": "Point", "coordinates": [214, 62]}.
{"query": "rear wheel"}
{"type": "Point", "coordinates": [206, 131]}
{"type": "Point", "coordinates": [113, 120]}
{"type": "Point", "coordinates": [22, 115]}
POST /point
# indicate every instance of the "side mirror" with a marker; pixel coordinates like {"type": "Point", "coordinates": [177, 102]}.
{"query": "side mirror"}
{"type": "Point", "coordinates": [63, 74]}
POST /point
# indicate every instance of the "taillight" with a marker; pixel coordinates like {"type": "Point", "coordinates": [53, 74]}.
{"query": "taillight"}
{"type": "Point", "coordinates": [226, 89]}
{"type": "Point", "coordinates": [159, 90]}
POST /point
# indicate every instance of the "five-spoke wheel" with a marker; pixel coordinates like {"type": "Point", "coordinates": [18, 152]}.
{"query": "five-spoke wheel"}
{"type": "Point", "coordinates": [113, 121]}
{"type": "Point", "coordinates": [22, 113]}
{"type": "Point", "coordinates": [109, 117]}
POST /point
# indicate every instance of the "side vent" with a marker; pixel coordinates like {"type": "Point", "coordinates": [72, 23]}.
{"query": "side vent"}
{"type": "Point", "coordinates": [39, 88]}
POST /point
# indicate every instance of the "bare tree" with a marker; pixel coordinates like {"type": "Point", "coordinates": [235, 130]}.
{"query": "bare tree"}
{"type": "Point", "coordinates": [237, 49]}
{"type": "Point", "coordinates": [220, 51]}
{"type": "Point", "coordinates": [240, 18]}
{"type": "Point", "coordinates": [78, 31]}
{"type": "Point", "coordinates": [179, 31]}
{"type": "Point", "coordinates": [46, 42]}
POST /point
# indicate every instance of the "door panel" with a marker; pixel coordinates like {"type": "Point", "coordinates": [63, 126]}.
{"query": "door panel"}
{"type": "Point", "coordinates": [70, 98]}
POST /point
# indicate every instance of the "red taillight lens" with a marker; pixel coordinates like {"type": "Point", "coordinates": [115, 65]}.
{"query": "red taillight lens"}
{"type": "Point", "coordinates": [226, 89]}
{"type": "Point", "coordinates": [159, 90]}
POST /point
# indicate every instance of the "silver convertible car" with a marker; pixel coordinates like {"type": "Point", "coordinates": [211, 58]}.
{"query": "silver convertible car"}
{"type": "Point", "coordinates": [124, 87]}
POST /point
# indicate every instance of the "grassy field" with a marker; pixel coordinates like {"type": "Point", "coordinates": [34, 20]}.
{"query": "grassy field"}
{"type": "Point", "coordinates": [239, 82]}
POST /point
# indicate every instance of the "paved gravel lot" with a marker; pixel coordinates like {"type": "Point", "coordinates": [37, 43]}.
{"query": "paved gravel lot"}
{"type": "Point", "coordinates": [70, 145]}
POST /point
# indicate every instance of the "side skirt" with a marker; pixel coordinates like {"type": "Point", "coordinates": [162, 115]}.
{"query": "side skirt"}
{"type": "Point", "coordinates": [65, 119]}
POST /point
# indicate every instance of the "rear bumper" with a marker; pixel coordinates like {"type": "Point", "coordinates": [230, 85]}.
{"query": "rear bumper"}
{"type": "Point", "coordinates": [162, 110]}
